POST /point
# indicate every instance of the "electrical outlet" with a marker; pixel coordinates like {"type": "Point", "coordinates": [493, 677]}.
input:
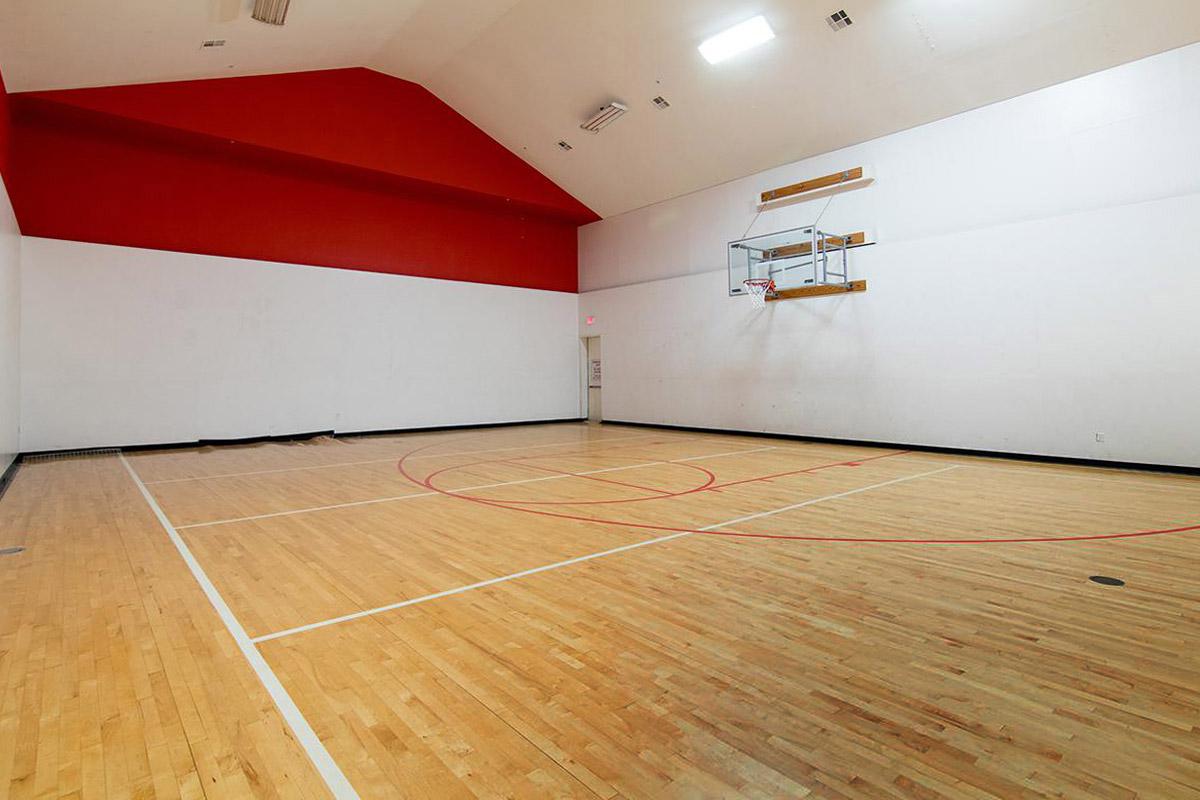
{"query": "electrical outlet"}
{"type": "Point", "coordinates": [1099, 437]}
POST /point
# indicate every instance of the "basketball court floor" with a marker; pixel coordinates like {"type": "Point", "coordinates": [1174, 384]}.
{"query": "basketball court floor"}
{"type": "Point", "coordinates": [648, 400]}
{"type": "Point", "coordinates": [583, 610]}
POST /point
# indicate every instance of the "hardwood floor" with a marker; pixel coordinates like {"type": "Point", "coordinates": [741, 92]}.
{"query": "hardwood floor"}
{"type": "Point", "coordinates": [598, 611]}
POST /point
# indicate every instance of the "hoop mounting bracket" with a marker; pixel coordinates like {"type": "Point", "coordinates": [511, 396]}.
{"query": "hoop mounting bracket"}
{"type": "Point", "coordinates": [818, 290]}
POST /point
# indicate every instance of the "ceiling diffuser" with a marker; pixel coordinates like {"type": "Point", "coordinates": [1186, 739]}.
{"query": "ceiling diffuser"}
{"type": "Point", "coordinates": [272, 12]}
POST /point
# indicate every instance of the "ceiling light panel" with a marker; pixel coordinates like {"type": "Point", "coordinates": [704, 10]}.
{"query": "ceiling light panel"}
{"type": "Point", "coordinates": [604, 117]}
{"type": "Point", "coordinates": [272, 12]}
{"type": "Point", "coordinates": [738, 39]}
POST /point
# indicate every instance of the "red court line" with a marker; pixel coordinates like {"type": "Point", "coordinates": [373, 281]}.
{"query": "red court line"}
{"type": "Point", "coordinates": [591, 452]}
{"type": "Point", "coordinates": [709, 485]}
{"type": "Point", "coordinates": [853, 463]}
{"type": "Point", "coordinates": [662, 496]}
{"type": "Point", "coordinates": [660, 492]}
{"type": "Point", "coordinates": [1016, 540]}
{"type": "Point", "coordinates": [427, 483]}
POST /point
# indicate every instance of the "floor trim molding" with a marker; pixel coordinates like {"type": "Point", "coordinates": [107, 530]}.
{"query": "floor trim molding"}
{"type": "Point", "coordinates": [962, 451]}
{"type": "Point", "coordinates": [293, 437]}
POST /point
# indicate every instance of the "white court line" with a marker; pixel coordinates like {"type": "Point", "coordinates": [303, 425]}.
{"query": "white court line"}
{"type": "Point", "coordinates": [333, 776]}
{"type": "Point", "coordinates": [269, 471]}
{"type": "Point", "coordinates": [457, 491]}
{"type": "Point", "coordinates": [1139, 481]}
{"type": "Point", "coordinates": [425, 598]}
{"type": "Point", "coordinates": [829, 497]}
{"type": "Point", "coordinates": [393, 458]}
{"type": "Point", "coordinates": [672, 461]}
{"type": "Point", "coordinates": [721, 455]}
{"type": "Point", "coordinates": [523, 573]}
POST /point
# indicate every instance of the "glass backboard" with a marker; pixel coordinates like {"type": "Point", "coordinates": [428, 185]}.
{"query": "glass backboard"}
{"type": "Point", "coordinates": [792, 258]}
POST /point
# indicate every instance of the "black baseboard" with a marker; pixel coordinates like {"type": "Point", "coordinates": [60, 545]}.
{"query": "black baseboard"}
{"type": "Point", "coordinates": [289, 437]}
{"type": "Point", "coordinates": [1083, 462]}
{"type": "Point", "coordinates": [435, 428]}
{"type": "Point", "coordinates": [7, 478]}
{"type": "Point", "coordinates": [8, 475]}
{"type": "Point", "coordinates": [136, 448]}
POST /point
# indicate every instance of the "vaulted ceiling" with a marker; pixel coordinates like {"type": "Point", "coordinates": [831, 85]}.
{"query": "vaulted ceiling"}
{"type": "Point", "coordinates": [529, 71]}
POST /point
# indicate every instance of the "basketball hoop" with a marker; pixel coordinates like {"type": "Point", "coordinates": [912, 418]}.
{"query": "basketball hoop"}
{"type": "Point", "coordinates": [758, 289]}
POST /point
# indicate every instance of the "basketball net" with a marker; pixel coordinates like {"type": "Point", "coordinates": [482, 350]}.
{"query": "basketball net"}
{"type": "Point", "coordinates": [758, 288]}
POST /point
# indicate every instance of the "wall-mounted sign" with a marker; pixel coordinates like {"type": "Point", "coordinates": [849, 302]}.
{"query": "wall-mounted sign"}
{"type": "Point", "coordinates": [594, 374]}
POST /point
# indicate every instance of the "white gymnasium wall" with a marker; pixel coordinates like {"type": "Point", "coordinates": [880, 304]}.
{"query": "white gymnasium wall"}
{"type": "Point", "coordinates": [10, 322]}
{"type": "Point", "coordinates": [1036, 283]}
{"type": "Point", "coordinates": [125, 346]}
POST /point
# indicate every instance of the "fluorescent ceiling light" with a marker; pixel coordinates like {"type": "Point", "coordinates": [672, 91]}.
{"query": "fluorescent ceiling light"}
{"type": "Point", "coordinates": [730, 42]}
{"type": "Point", "coordinates": [272, 12]}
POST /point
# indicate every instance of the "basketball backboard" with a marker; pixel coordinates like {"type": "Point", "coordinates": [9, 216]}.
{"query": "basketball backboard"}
{"type": "Point", "coordinates": [792, 259]}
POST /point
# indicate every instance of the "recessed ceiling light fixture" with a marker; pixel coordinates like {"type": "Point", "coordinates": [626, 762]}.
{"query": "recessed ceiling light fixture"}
{"type": "Point", "coordinates": [661, 103]}
{"type": "Point", "coordinates": [740, 37]}
{"type": "Point", "coordinates": [272, 12]}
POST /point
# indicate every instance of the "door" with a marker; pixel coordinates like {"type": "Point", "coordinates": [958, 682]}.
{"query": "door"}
{"type": "Point", "coordinates": [593, 379]}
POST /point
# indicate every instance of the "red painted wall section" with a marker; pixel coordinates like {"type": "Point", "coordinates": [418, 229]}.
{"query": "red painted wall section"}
{"type": "Point", "coordinates": [340, 168]}
{"type": "Point", "coordinates": [356, 117]}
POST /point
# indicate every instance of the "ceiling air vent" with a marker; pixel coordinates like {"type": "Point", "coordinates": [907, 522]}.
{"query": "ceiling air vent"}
{"type": "Point", "coordinates": [212, 43]}
{"type": "Point", "coordinates": [564, 146]}
{"type": "Point", "coordinates": [272, 12]}
{"type": "Point", "coordinates": [838, 20]}
{"type": "Point", "coordinates": [660, 103]}
{"type": "Point", "coordinates": [604, 117]}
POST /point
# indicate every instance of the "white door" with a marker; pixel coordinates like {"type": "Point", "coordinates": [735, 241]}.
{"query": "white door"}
{"type": "Point", "coordinates": [594, 375]}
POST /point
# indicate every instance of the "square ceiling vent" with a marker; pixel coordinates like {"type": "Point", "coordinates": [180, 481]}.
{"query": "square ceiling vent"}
{"type": "Point", "coordinates": [839, 19]}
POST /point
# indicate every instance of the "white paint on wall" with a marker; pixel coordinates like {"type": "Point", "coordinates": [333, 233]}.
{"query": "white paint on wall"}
{"type": "Point", "coordinates": [127, 346]}
{"type": "Point", "coordinates": [10, 324]}
{"type": "Point", "coordinates": [1035, 283]}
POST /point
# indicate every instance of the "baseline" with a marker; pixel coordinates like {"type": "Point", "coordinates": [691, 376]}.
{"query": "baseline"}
{"type": "Point", "coordinates": [393, 458]}
{"type": "Point", "coordinates": [326, 767]}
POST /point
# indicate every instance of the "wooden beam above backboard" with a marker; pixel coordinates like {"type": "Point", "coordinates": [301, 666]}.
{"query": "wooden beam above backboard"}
{"type": "Point", "coordinates": [818, 290]}
{"type": "Point", "coordinates": [823, 182]}
{"type": "Point", "coordinates": [856, 239]}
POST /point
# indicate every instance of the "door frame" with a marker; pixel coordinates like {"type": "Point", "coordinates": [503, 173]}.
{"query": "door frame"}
{"type": "Point", "coordinates": [585, 387]}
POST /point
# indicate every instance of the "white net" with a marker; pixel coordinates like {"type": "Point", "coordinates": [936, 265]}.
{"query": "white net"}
{"type": "Point", "coordinates": [758, 289]}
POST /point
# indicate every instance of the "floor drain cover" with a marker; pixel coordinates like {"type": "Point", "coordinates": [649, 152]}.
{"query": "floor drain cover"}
{"type": "Point", "coordinates": [11, 551]}
{"type": "Point", "coordinates": [1107, 581]}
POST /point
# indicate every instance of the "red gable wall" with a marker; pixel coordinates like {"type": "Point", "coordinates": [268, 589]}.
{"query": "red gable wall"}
{"type": "Point", "coordinates": [341, 168]}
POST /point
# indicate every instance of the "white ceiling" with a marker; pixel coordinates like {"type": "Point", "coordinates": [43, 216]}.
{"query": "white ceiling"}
{"type": "Point", "coordinates": [529, 71]}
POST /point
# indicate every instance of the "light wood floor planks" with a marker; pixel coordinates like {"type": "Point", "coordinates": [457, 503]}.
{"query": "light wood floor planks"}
{"type": "Point", "coordinates": [682, 650]}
